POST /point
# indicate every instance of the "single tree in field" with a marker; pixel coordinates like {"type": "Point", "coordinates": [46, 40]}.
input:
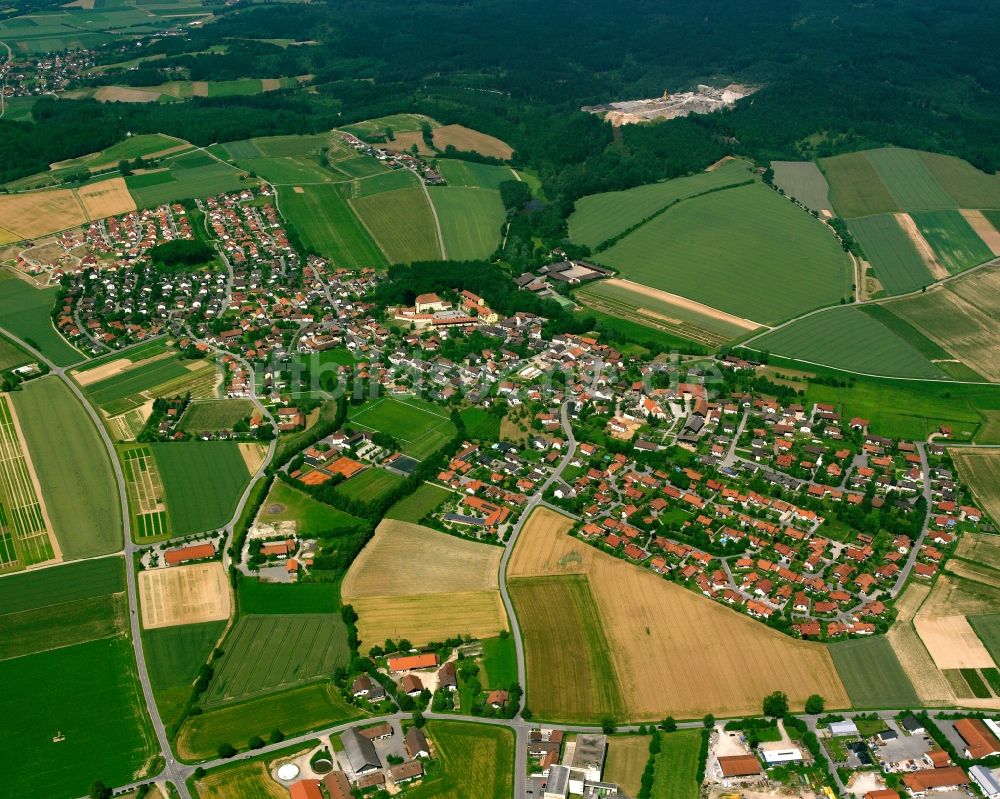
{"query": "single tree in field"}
{"type": "Point", "coordinates": [708, 721]}
{"type": "Point", "coordinates": [99, 790]}
{"type": "Point", "coordinates": [608, 726]}
{"type": "Point", "coordinates": [669, 724]}
{"type": "Point", "coordinates": [776, 704]}
{"type": "Point", "coordinates": [227, 750]}
{"type": "Point", "coordinates": [815, 705]}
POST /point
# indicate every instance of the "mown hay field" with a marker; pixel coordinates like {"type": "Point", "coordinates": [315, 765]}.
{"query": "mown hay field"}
{"type": "Point", "coordinates": [951, 642]}
{"type": "Point", "coordinates": [417, 583]}
{"type": "Point", "coordinates": [401, 223]}
{"type": "Point", "coordinates": [897, 264]}
{"type": "Point", "coordinates": [469, 173]}
{"type": "Point", "coordinates": [477, 760]}
{"type": "Point", "coordinates": [803, 181]}
{"type": "Point", "coordinates": [415, 506]}
{"type": "Point", "coordinates": [246, 781]}
{"type": "Point", "coordinates": [272, 652]}
{"type": "Point", "coordinates": [202, 482]}
{"type": "Point", "coordinates": [980, 470]}
{"type": "Point", "coordinates": [39, 213]}
{"type": "Point", "coordinates": [855, 187]}
{"type": "Point", "coordinates": [955, 243]}
{"type": "Point", "coordinates": [471, 220]}
{"type": "Point", "coordinates": [106, 198]}
{"type": "Point", "coordinates": [599, 217]}
{"type": "Point", "coordinates": [626, 760]}
{"type": "Point", "coordinates": [311, 517]}
{"type": "Point", "coordinates": [184, 595]}
{"type": "Point", "coordinates": [872, 674]}
{"type": "Point", "coordinates": [401, 122]}
{"type": "Point", "coordinates": [466, 139]}
{"type": "Point", "coordinates": [831, 338]}
{"type": "Point", "coordinates": [980, 548]}
{"type": "Point", "coordinates": [731, 248]}
{"type": "Point", "coordinates": [675, 774]}
{"type": "Point", "coordinates": [293, 712]}
{"type": "Point", "coordinates": [970, 187]}
{"type": "Point", "coordinates": [672, 651]}
{"type": "Point", "coordinates": [908, 179]}
{"type": "Point", "coordinates": [73, 467]}
{"type": "Point", "coordinates": [931, 685]}
{"type": "Point", "coordinates": [326, 223]}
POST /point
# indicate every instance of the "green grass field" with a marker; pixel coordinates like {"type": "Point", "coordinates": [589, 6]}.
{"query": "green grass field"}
{"type": "Point", "coordinates": [191, 175]}
{"type": "Point", "coordinates": [988, 629]}
{"type": "Point", "coordinates": [11, 355]}
{"type": "Point", "coordinates": [133, 354]}
{"type": "Point", "coordinates": [898, 325]}
{"type": "Point", "coordinates": [285, 503]}
{"type": "Point", "coordinates": [480, 423]}
{"type": "Point", "coordinates": [261, 598]}
{"type": "Point", "coordinates": [676, 771]}
{"type": "Point", "coordinates": [274, 652]}
{"type": "Point", "coordinates": [328, 225]}
{"type": "Point", "coordinates": [871, 673]}
{"type": "Point", "coordinates": [380, 182]}
{"type": "Point", "coordinates": [570, 673]}
{"type": "Point", "coordinates": [803, 181]}
{"type": "Point", "coordinates": [370, 485]}
{"type": "Point", "coordinates": [472, 760]}
{"type": "Point", "coordinates": [287, 170]}
{"type": "Point", "coordinates": [414, 507]}
{"type": "Point", "coordinates": [173, 656]}
{"type": "Point", "coordinates": [970, 187]}
{"type": "Point", "coordinates": [731, 250]}
{"type": "Point", "coordinates": [855, 186]}
{"type": "Point", "coordinates": [499, 662]}
{"type": "Point", "coordinates": [471, 221]}
{"type": "Point", "coordinates": [419, 426]}
{"type": "Point", "coordinates": [832, 338]}
{"type": "Point", "coordinates": [214, 415]}
{"type": "Point", "coordinates": [73, 467]}
{"type": "Point", "coordinates": [401, 223]}
{"type": "Point", "coordinates": [908, 180]}
{"type": "Point", "coordinates": [91, 698]}
{"type": "Point", "coordinates": [26, 312]}
{"type": "Point", "coordinates": [401, 123]}
{"type": "Point", "coordinates": [897, 264]}
{"type": "Point", "coordinates": [469, 173]}
{"type": "Point", "coordinates": [293, 712]}
{"type": "Point", "coordinates": [202, 482]}
{"type": "Point", "coordinates": [953, 240]}
{"type": "Point", "coordinates": [110, 392]}
{"type": "Point", "coordinates": [601, 216]}
{"type": "Point", "coordinates": [70, 582]}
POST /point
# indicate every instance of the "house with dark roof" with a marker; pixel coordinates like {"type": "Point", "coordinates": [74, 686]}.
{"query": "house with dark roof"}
{"type": "Point", "coordinates": [360, 752]}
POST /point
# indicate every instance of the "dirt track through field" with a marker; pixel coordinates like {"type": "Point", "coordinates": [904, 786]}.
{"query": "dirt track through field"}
{"type": "Point", "coordinates": [937, 269]}
{"type": "Point", "coordinates": [685, 303]}
{"type": "Point", "coordinates": [979, 223]}
{"type": "Point", "coordinates": [184, 595]}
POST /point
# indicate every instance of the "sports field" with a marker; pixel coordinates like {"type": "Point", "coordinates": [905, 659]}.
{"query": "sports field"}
{"type": "Point", "coordinates": [328, 225]}
{"type": "Point", "coordinates": [173, 656]}
{"type": "Point", "coordinates": [401, 223]}
{"type": "Point", "coordinates": [202, 482]}
{"type": "Point", "coordinates": [275, 652]}
{"type": "Point", "coordinates": [188, 176]}
{"type": "Point", "coordinates": [730, 249]}
{"type": "Point", "coordinates": [418, 504]}
{"type": "Point", "coordinates": [832, 338]}
{"type": "Point", "coordinates": [802, 181]}
{"type": "Point", "coordinates": [211, 416]}
{"type": "Point", "coordinates": [419, 426]}
{"type": "Point", "coordinates": [599, 217]}
{"type": "Point", "coordinates": [954, 241]}
{"type": "Point", "coordinates": [26, 312]}
{"type": "Point", "coordinates": [414, 582]}
{"type": "Point", "coordinates": [471, 221]}
{"type": "Point", "coordinates": [872, 674]}
{"type": "Point", "coordinates": [296, 711]}
{"type": "Point", "coordinates": [477, 760]}
{"type": "Point", "coordinates": [981, 472]}
{"type": "Point", "coordinates": [649, 625]}
{"type": "Point", "coordinates": [897, 264]}
{"type": "Point", "coordinates": [311, 517]}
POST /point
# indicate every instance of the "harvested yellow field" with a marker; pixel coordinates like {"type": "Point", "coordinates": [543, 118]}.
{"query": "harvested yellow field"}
{"type": "Point", "coordinates": [125, 94]}
{"type": "Point", "coordinates": [930, 684]}
{"type": "Point", "coordinates": [981, 288]}
{"type": "Point", "coordinates": [249, 781]}
{"type": "Point", "coordinates": [39, 213]}
{"type": "Point", "coordinates": [253, 456]}
{"type": "Point", "coordinates": [404, 559]}
{"type": "Point", "coordinates": [468, 140]}
{"type": "Point", "coordinates": [952, 643]}
{"type": "Point", "coordinates": [979, 223]}
{"type": "Point", "coordinates": [980, 549]}
{"type": "Point", "coordinates": [544, 548]}
{"type": "Point", "coordinates": [626, 760]}
{"type": "Point", "coordinates": [423, 585]}
{"type": "Point", "coordinates": [106, 198]}
{"type": "Point", "coordinates": [102, 372]}
{"type": "Point", "coordinates": [184, 595]}
{"type": "Point", "coordinates": [673, 651]}
{"type": "Point", "coordinates": [403, 142]}
{"type": "Point", "coordinates": [199, 88]}
{"type": "Point", "coordinates": [422, 618]}
{"type": "Point", "coordinates": [980, 470]}
{"type": "Point", "coordinates": [6, 236]}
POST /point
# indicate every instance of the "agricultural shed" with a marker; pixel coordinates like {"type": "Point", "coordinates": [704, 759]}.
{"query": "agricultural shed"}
{"type": "Point", "coordinates": [739, 766]}
{"type": "Point", "coordinates": [410, 662]}
{"type": "Point", "coordinates": [980, 742]}
{"type": "Point", "coordinates": [360, 752]}
{"type": "Point", "coordinates": [847, 727]}
{"type": "Point", "coordinates": [337, 785]}
{"type": "Point", "coordinates": [416, 743]}
{"type": "Point", "coordinates": [933, 778]}
{"type": "Point", "coordinates": [185, 554]}
{"type": "Point", "coordinates": [305, 789]}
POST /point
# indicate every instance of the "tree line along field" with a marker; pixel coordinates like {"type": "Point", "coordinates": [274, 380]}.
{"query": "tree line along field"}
{"type": "Point", "coordinates": [277, 651]}
{"type": "Point", "coordinates": [803, 181]}
{"type": "Point", "coordinates": [73, 467]}
{"type": "Point", "coordinates": [744, 250]}
{"type": "Point", "coordinates": [74, 645]}
{"type": "Point", "coordinates": [26, 312]}
{"type": "Point", "coordinates": [202, 482]}
{"type": "Point", "coordinates": [174, 656]}
{"type": "Point", "coordinates": [649, 626]}
{"type": "Point", "coordinates": [847, 338]}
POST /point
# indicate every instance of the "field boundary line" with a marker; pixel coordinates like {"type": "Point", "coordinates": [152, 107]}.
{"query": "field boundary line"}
{"type": "Point", "coordinates": [66, 646]}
